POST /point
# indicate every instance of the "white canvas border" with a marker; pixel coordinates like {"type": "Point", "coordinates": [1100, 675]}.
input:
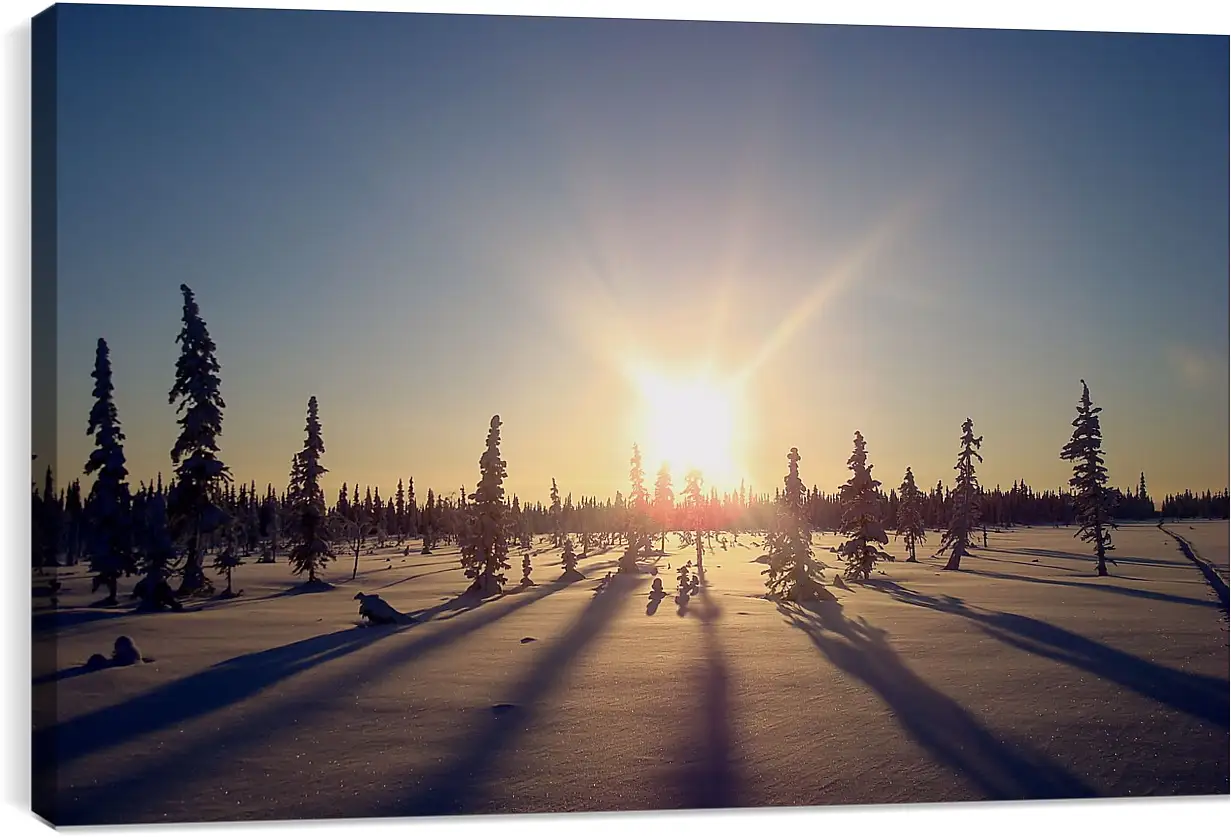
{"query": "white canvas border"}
{"type": "Point", "coordinates": [1155, 817]}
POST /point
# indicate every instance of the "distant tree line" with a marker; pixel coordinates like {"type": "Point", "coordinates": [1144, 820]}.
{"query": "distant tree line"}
{"type": "Point", "coordinates": [159, 533]}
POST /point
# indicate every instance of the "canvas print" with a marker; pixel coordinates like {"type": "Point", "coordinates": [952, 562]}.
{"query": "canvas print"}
{"type": "Point", "coordinates": [469, 414]}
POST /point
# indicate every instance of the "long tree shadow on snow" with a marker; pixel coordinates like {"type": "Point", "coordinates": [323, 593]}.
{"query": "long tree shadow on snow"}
{"type": "Point", "coordinates": [1085, 559]}
{"type": "Point", "coordinates": [947, 730]}
{"type": "Point", "coordinates": [1000, 556]}
{"type": "Point", "coordinates": [449, 569]}
{"type": "Point", "coordinates": [1203, 696]}
{"type": "Point", "coordinates": [65, 618]}
{"type": "Point", "coordinates": [1140, 593]}
{"type": "Point", "coordinates": [708, 778]}
{"type": "Point", "coordinates": [115, 801]}
{"type": "Point", "coordinates": [458, 788]}
{"type": "Point", "coordinates": [180, 701]}
{"type": "Point", "coordinates": [1134, 561]}
{"type": "Point", "coordinates": [468, 601]}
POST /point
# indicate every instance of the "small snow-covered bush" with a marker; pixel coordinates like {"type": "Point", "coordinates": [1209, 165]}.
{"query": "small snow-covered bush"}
{"type": "Point", "coordinates": [125, 652]}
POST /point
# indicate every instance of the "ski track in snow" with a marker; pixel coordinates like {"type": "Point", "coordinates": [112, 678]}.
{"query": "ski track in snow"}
{"type": "Point", "coordinates": [1205, 544]}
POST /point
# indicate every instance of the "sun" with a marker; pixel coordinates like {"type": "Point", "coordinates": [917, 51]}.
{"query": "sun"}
{"type": "Point", "coordinates": [689, 423]}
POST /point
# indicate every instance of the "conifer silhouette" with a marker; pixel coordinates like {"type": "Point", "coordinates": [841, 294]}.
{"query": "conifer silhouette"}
{"type": "Point", "coordinates": [557, 517]}
{"type": "Point", "coordinates": [965, 497]}
{"type": "Point", "coordinates": [310, 540]}
{"type": "Point", "coordinates": [694, 509]}
{"type": "Point", "coordinates": [664, 504]}
{"type": "Point", "coordinates": [107, 508]}
{"type": "Point", "coordinates": [792, 572]}
{"type": "Point", "coordinates": [199, 472]}
{"type": "Point", "coordinates": [637, 529]}
{"type": "Point", "coordinates": [861, 517]}
{"type": "Point", "coordinates": [484, 540]}
{"type": "Point", "coordinates": [1089, 481]}
{"type": "Point", "coordinates": [910, 515]}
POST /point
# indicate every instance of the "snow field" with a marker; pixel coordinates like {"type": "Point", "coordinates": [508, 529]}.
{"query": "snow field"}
{"type": "Point", "coordinates": [1021, 676]}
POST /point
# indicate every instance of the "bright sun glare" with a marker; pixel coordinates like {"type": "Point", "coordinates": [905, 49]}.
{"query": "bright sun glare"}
{"type": "Point", "coordinates": [688, 423]}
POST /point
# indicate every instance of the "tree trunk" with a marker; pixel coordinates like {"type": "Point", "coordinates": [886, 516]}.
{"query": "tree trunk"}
{"type": "Point", "coordinates": [193, 576]}
{"type": "Point", "coordinates": [1102, 552]}
{"type": "Point", "coordinates": [955, 560]}
{"type": "Point", "coordinates": [628, 561]}
{"type": "Point", "coordinates": [112, 584]}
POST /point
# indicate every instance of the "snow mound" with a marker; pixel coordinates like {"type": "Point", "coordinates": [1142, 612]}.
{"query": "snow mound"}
{"type": "Point", "coordinates": [316, 586]}
{"type": "Point", "coordinates": [379, 612]}
{"type": "Point", "coordinates": [125, 652]}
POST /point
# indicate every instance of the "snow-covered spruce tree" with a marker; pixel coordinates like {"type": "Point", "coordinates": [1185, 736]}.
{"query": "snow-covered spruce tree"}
{"type": "Point", "coordinates": [861, 518]}
{"type": "Point", "coordinates": [228, 558]}
{"type": "Point", "coordinates": [910, 515]}
{"type": "Point", "coordinates": [568, 559]}
{"type": "Point", "coordinates": [617, 518]}
{"type": "Point", "coordinates": [587, 537]}
{"type": "Point", "coordinates": [399, 513]}
{"type": "Point", "coordinates": [198, 469]}
{"type": "Point", "coordinates": [517, 529]}
{"type": "Point", "coordinates": [965, 498]}
{"type": "Point", "coordinates": [391, 520]}
{"type": "Point", "coordinates": [637, 528]}
{"type": "Point", "coordinates": [664, 505]}
{"type": "Point", "coordinates": [36, 527]}
{"type": "Point", "coordinates": [52, 513]}
{"type": "Point", "coordinates": [107, 509]}
{"type": "Point", "coordinates": [792, 572]}
{"type": "Point", "coordinates": [342, 507]}
{"type": "Point", "coordinates": [525, 530]}
{"type": "Point", "coordinates": [377, 517]}
{"type": "Point", "coordinates": [428, 523]}
{"type": "Point", "coordinates": [252, 528]}
{"type": "Point", "coordinates": [268, 526]}
{"type": "Point", "coordinates": [557, 517]}
{"type": "Point", "coordinates": [686, 583]}
{"type": "Point", "coordinates": [1145, 506]}
{"type": "Point", "coordinates": [310, 544]}
{"type": "Point", "coordinates": [485, 540]}
{"type": "Point", "coordinates": [526, 569]}
{"type": "Point", "coordinates": [694, 512]}
{"type": "Point", "coordinates": [412, 508]}
{"type": "Point", "coordinates": [156, 554]}
{"type": "Point", "coordinates": [74, 511]}
{"type": "Point", "coordinates": [1089, 481]}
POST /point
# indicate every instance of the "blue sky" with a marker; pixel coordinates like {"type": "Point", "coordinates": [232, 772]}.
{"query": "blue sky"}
{"type": "Point", "coordinates": [424, 220]}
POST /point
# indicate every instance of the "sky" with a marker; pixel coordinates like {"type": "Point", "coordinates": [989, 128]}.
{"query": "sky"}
{"type": "Point", "coordinates": [425, 220]}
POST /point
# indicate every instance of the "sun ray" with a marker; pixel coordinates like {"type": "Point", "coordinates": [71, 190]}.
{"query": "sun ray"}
{"type": "Point", "coordinates": [832, 284]}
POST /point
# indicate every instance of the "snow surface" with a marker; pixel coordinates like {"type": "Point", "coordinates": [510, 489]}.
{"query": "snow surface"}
{"type": "Point", "coordinates": [1021, 676]}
